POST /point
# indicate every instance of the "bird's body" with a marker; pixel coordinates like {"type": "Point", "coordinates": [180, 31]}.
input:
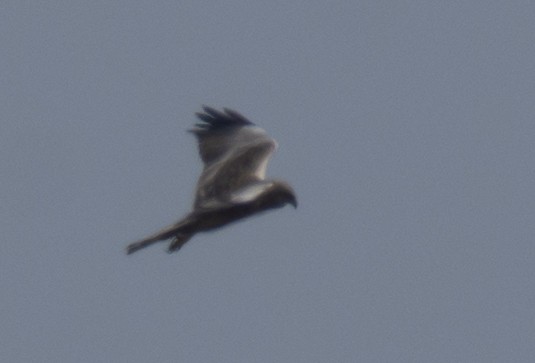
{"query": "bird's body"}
{"type": "Point", "coordinates": [232, 185]}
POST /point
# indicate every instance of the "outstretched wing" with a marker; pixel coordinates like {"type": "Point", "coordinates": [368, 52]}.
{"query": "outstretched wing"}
{"type": "Point", "coordinates": [235, 153]}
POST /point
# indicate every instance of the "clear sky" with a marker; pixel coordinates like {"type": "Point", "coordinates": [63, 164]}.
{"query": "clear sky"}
{"type": "Point", "coordinates": [407, 129]}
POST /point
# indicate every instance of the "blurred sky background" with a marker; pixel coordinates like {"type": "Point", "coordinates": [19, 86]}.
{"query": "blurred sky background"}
{"type": "Point", "coordinates": [406, 127]}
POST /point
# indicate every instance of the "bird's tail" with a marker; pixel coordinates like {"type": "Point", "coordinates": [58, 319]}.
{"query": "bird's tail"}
{"type": "Point", "coordinates": [173, 230]}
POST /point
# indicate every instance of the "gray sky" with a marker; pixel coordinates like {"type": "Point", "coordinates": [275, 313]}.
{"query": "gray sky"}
{"type": "Point", "coordinates": [406, 127]}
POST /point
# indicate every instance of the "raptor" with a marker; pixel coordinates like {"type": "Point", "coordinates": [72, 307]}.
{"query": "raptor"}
{"type": "Point", "coordinates": [232, 185]}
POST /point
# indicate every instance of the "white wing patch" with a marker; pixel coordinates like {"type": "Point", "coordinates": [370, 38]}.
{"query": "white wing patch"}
{"type": "Point", "coordinates": [249, 193]}
{"type": "Point", "coordinates": [260, 172]}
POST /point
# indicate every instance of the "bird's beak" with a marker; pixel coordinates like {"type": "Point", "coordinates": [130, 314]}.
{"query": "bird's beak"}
{"type": "Point", "coordinates": [293, 202]}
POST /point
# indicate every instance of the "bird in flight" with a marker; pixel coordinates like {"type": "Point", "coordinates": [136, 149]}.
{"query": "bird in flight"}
{"type": "Point", "coordinates": [232, 185]}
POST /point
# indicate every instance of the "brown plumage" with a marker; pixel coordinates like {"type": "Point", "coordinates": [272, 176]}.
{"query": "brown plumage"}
{"type": "Point", "coordinates": [232, 185]}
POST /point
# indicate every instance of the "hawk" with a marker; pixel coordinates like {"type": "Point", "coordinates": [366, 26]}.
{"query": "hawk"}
{"type": "Point", "coordinates": [232, 185]}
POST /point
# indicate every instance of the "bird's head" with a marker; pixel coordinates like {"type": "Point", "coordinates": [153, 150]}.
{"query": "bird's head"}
{"type": "Point", "coordinates": [282, 193]}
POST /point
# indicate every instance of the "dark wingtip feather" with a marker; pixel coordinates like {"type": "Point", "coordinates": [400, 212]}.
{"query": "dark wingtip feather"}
{"type": "Point", "coordinates": [213, 113]}
{"type": "Point", "coordinates": [215, 119]}
{"type": "Point", "coordinates": [235, 115]}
